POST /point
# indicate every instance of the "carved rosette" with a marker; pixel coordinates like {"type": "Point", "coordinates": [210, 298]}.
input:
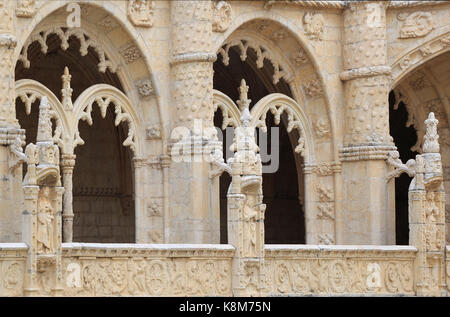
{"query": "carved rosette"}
{"type": "Point", "coordinates": [416, 24]}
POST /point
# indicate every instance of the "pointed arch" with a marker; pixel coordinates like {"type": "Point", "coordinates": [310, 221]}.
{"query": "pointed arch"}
{"type": "Point", "coordinates": [105, 95]}
{"type": "Point", "coordinates": [230, 112]}
{"type": "Point", "coordinates": [278, 104]}
{"type": "Point", "coordinates": [29, 91]}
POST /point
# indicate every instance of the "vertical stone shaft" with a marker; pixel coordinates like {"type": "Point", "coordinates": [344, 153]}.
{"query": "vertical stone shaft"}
{"type": "Point", "coordinates": [426, 203]}
{"type": "Point", "coordinates": [67, 165]}
{"type": "Point", "coordinates": [10, 181]}
{"type": "Point", "coordinates": [368, 217]}
{"type": "Point", "coordinates": [192, 84]}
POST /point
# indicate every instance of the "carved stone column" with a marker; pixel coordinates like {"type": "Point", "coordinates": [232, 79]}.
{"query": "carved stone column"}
{"type": "Point", "coordinates": [246, 213]}
{"type": "Point", "coordinates": [368, 217]}
{"type": "Point", "coordinates": [10, 132]}
{"type": "Point", "coordinates": [192, 219]}
{"type": "Point", "coordinates": [67, 165]}
{"type": "Point", "coordinates": [427, 216]}
{"type": "Point", "coordinates": [42, 223]}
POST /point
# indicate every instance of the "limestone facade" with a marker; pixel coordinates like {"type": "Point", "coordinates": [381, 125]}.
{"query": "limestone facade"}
{"type": "Point", "coordinates": [118, 175]}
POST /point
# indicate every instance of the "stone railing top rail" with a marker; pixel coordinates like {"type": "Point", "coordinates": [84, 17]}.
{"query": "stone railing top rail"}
{"type": "Point", "coordinates": [355, 250]}
{"type": "Point", "coordinates": [125, 249]}
{"type": "Point", "coordinates": [13, 246]}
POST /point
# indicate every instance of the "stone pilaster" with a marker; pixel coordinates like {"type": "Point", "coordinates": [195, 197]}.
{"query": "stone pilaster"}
{"type": "Point", "coordinates": [191, 217]}
{"type": "Point", "coordinates": [67, 165]}
{"type": "Point", "coordinates": [368, 215]}
{"type": "Point", "coordinates": [10, 133]}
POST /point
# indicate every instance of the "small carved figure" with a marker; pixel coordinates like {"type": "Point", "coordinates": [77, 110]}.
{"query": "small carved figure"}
{"type": "Point", "coordinates": [45, 222]}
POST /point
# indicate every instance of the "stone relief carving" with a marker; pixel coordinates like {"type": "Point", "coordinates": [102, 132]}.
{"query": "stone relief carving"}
{"type": "Point", "coordinates": [279, 35]}
{"type": "Point", "coordinates": [154, 208]}
{"type": "Point", "coordinates": [140, 12]}
{"type": "Point", "coordinates": [130, 53]}
{"type": "Point", "coordinates": [419, 82]}
{"type": "Point", "coordinates": [85, 43]}
{"type": "Point", "coordinates": [322, 128]}
{"type": "Point", "coordinates": [325, 239]}
{"type": "Point", "coordinates": [153, 132]}
{"type": "Point", "coordinates": [146, 276]}
{"type": "Point", "coordinates": [16, 151]}
{"type": "Point", "coordinates": [313, 88]}
{"type": "Point", "coordinates": [300, 57]}
{"type": "Point", "coordinates": [222, 15]}
{"type": "Point", "coordinates": [12, 277]}
{"type": "Point", "coordinates": [145, 87]}
{"type": "Point", "coordinates": [330, 276]}
{"type": "Point", "coordinates": [314, 25]}
{"type": "Point", "coordinates": [108, 23]}
{"type": "Point", "coordinates": [416, 24]}
{"type": "Point", "coordinates": [25, 8]}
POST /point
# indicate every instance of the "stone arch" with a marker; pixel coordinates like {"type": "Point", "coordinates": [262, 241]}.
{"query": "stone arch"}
{"type": "Point", "coordinates": [132, 75]}
{"type": "Point", "coordinates": [104, 96]}
{"type": "Point", "coordinates": [420, 86]}
{"type": "Point", "coordinates": [291, 53]}
{"type": "Point", "coordinates": [419, 55]}
{"type": "Point", "coordinates": [297, 119]}
{"type": "Point", "coordinates": [302, 42]}
{"type": "Point", "coordinates": [29, 91]}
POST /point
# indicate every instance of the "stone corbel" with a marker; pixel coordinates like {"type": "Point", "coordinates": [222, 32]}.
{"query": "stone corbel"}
{"type": "Point", "coordinates": [393, 160]}
{"type": "Point", "coordinates": [17, 157]}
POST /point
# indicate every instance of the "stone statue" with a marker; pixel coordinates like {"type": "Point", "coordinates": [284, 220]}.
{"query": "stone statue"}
{"type": "Point", "coordinates": [45, 222]}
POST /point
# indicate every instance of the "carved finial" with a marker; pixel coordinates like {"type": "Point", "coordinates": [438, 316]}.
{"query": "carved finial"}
{"type": "Point", "coordinates": [44, 133]}
{"type": "Point", "coordinates": [243, 101]}
{"type": "Point", "coordinates": [66, 91]}
{"type": "Point", "coordinates": [431, 144]}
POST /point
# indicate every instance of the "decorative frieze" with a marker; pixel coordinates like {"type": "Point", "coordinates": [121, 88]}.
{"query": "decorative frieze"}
{"type": "Point", "coordinates": [323, 168]}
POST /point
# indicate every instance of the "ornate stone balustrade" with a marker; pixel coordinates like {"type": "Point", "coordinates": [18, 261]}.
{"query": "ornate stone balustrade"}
{"type": "Point", "coordinates": [12, 267]}
{"type": "Point", "coordinates": [91, 269]}
{"type": "Point", "coordinates": [339, 270]}
{"type": "Point", "coordinates": [94, 269]}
